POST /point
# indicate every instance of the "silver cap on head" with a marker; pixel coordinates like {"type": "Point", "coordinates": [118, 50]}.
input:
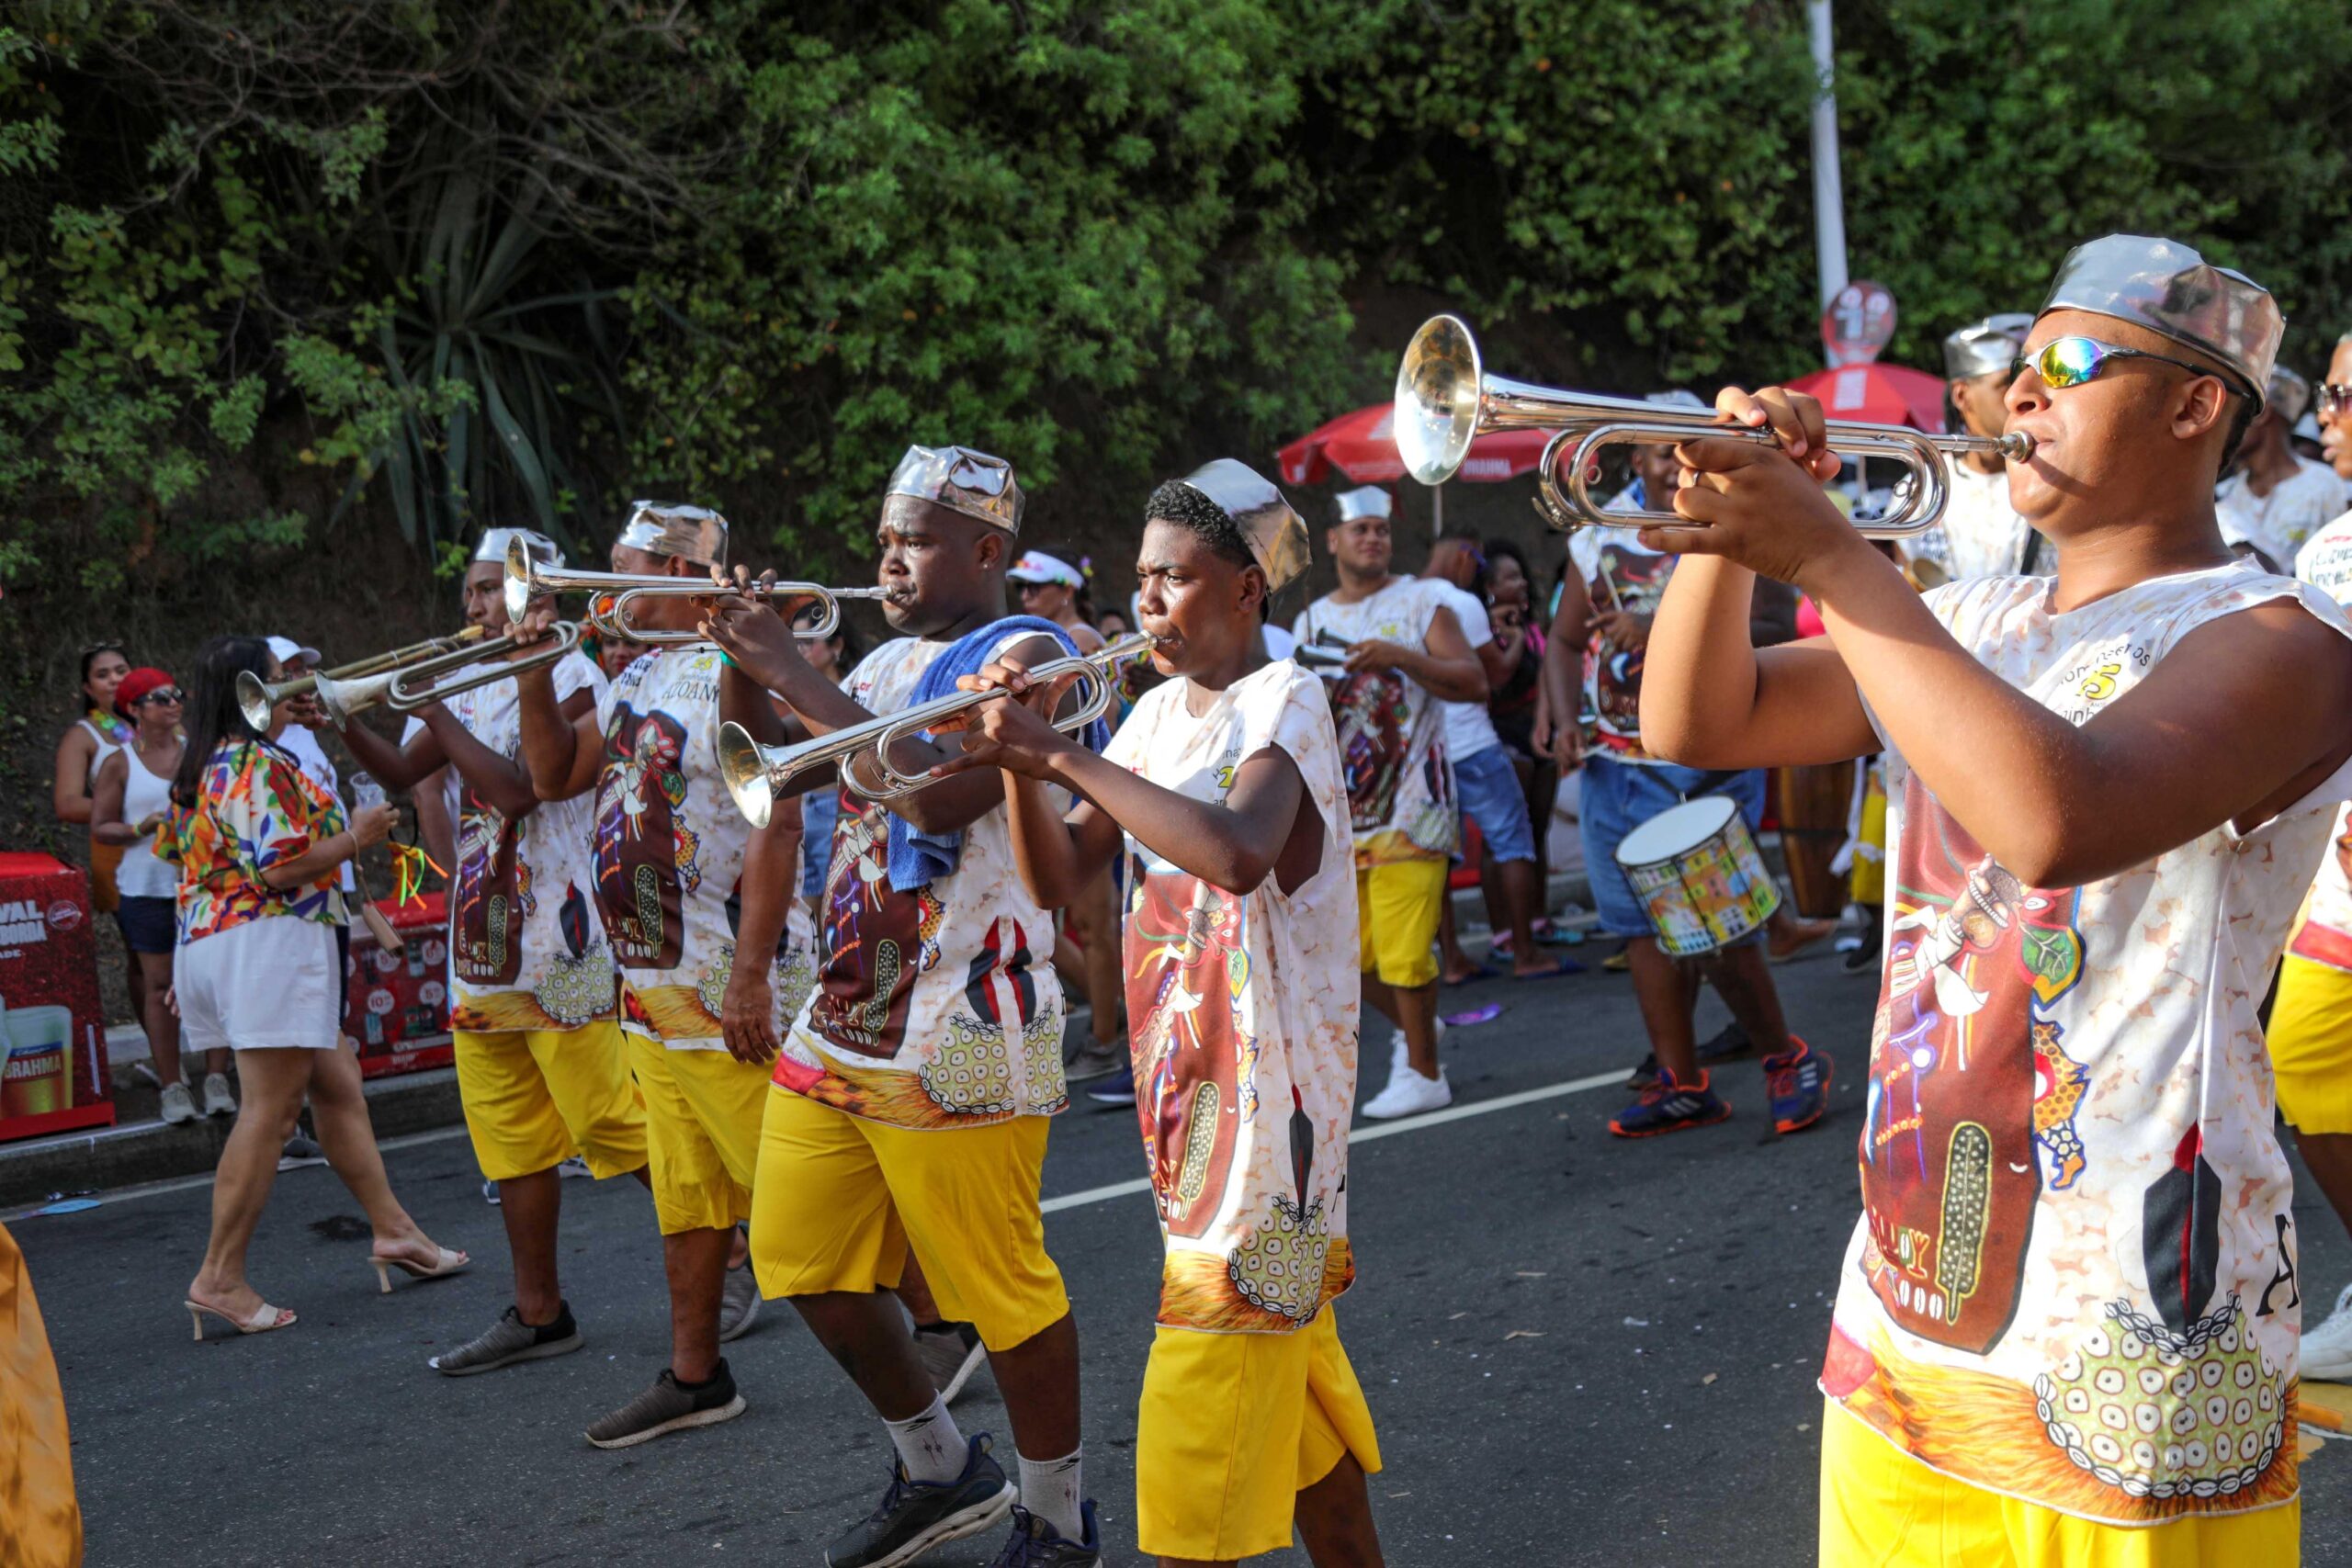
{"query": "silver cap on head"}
{"type": "Point", "coordinates": [1366, 500]}
{"type": "Point", "coordinates": [1269, 524]}
{"type": "Point", "coordinates": [961, 479]}
{"type": "Point", "coordinates": [2289, 394]}
{"type": "Point", "coordinates": [2165, 287]}
{"type": "Point", "coordinates": [673, 528]}
{"type": "Point", "coordinates": [494, 542]}
{"type": "Point", "coordinates": [1984, 348]}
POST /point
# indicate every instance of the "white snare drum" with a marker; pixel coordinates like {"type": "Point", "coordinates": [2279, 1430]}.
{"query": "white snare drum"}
{"type": "Point", "coordinates": [1697, 874]}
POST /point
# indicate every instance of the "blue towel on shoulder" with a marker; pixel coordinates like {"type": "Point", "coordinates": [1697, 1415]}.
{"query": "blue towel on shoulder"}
{"type": "Point", "coordinates": [916, 857]}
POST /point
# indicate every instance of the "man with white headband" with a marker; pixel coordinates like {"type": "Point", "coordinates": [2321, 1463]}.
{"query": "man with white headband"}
{"type": "Point", "coordinates": [914, 1094]}
{"type": "Point", "coordinates": [2067, 1325]}
{"type": "Point", "coordinates": [1226, 786]}
{"type": "Point", "coordinates": [542, 1068]}
{"type": "Point", "coordinates": [670, 852]}
{"type": "Point", "coordinates": [1402, 654]}
{"type": "Point", "coordinates": [2276, 500]}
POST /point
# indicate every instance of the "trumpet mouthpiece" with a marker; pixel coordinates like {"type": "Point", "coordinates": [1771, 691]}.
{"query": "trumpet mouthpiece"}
{"type": "Point", "coordinates": [2016, 446]}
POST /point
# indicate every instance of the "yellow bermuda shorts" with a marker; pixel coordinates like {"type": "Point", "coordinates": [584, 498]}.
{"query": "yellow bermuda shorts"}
{"type": "Point", "coordinates": [840, 1198]}
{"type": "Point", "coordinates": [1232, 1428]}
{"type": "Point", "coordinates": [702, 1124]}
{"type": "Point", "coordinates": [2310, 1045]}
{"type": "Point", "coordinates": [1882, 1508]}
{"type": "Point", "coordinates": [534, 1097]}
{"type": "Point", "coordinates": [1396, 912]}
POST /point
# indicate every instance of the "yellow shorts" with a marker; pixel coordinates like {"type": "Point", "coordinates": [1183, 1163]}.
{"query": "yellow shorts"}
{"type": "Point", "coordinates": [839, 1199]}
{"type": "Point", "coordinates": [1879, 1508]}
{"type": "Point", "coordinates": [534, 1097]}
{"type": "Point", "coordinates": [2310, 1045]}
{"type": "Point", "coordinates": [1396, 912]}
{"type": "Point", "coordinates": [1232, 1428]}
{"type": "Point", "coordinates": [702, 1124]}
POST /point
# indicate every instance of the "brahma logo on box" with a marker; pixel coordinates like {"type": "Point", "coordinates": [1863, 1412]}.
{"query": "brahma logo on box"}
{"type": "Point", "coordinates": [24, 921]}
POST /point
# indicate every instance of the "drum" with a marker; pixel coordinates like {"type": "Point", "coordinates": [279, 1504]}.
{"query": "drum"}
{"type": "Point", "coordinates": [1697, 872]}
{"type": "Point", "coordinates": [1813, 805]}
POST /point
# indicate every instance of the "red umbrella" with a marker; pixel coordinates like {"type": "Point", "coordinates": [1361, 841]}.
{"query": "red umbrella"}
{"type": "Point", "coordinates": [1360, 446]}
{"type": "Point", "coordinates": [1878, 394]}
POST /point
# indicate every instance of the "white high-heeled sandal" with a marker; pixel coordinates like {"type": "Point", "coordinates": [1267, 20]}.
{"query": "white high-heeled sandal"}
{"type": "Point", "coordinates": [265, 1320]}
{"type": "Point", "coordinates": [450, 1262]}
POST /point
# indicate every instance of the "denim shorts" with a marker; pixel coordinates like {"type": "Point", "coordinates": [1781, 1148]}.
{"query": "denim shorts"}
{"type": "Point", "coordinates": [1618, 797]}
{"type": "Point", "coordinates": [1488, 787]}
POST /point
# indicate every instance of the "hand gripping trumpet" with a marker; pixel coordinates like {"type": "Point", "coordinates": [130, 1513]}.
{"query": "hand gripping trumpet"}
{"type": "Point", "coordinates": [756, 774]}
{"type": "Point", "coordinates": [389, 685]}
{"type": "Point", "coordinates": [527, 580]}
{"type": "Point", "coordinates": [1444, 401]}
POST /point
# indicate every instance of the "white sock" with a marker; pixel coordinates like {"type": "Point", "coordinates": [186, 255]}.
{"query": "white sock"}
{"type": "Point", "coordinates": [1049, 1490]}
{"type": "Point", "coordinates": [930, 1448]}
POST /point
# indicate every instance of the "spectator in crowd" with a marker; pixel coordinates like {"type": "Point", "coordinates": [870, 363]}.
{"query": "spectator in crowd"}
{"type": "Point", "coordinates": [2275, 499]}
{"type": "Point", "coordinates": [1113, 623]}
{"type": "Point", "coordinates": [1508, 587]}
{"type": "Point", "coordinates": [135, 800]}
{"type": "Point", "coordinates": [258, 844]}
{"type": "Point", "coordinates": [88, 741]}
{"type": "Point", "coordinates": [1981, 534]}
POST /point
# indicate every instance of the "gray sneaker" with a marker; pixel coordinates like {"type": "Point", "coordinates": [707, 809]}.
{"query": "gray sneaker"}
{"type": "Point", "coordinates": [1097, 1059]}
{"type": "Point", "coordinates": [301, 1151]}
{"type": "Point", "coordinates": [218, 1100]}
{"type": "Point", "coordinates": [509, 1340]}
{"type": "Point", "coordinates": [738, 1307]}
{"type": "Point", "coordinates": [951, 1353]}
{"type": "Point", "coordinates": [668, 1407]}
{"type": "Point", "coordinates": [177, 1107]}
{"type": "Point", "coordinates": [914, 1517]}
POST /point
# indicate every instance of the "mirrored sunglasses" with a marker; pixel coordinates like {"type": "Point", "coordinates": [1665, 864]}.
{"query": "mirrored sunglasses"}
{"type": "Point", "coordinates": [2066, 361]}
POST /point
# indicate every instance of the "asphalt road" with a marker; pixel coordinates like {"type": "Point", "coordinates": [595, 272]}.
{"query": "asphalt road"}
{"type": "Point", "coordinates": [1579, 1350]}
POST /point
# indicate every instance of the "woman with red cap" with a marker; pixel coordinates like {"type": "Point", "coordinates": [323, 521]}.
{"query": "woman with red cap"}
{"type": "Point", "coordinates": [131, 799]}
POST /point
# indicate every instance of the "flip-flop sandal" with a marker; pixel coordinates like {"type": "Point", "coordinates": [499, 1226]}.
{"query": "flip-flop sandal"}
{"type": "Point", "coordinates": [1553, 971]}
{"type": "Point", "coordinates": [1482, 971]}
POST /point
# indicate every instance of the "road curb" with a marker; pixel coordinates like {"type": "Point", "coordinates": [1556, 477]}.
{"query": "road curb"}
{"type": "Point", "coordinates": [137, 1152]}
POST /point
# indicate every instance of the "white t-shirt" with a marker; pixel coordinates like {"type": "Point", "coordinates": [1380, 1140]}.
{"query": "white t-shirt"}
{"type": "Point", "coordinates": [2277, 524]}
{"type": "Point", "coordinates": [1280, 644]}
{"type": "Point", "coordinates": [1244, 1017]}
{"type": "Point", "coordinates": [527, 947]}
{"type": "Point", "coordinates": [2074, 1281]}
{"type": "Point", "coordinates": [2326, 934]}
{"type": "Point", "coordinates": [668, 850]}
{"type": "Point", "coordinates": [1981, 536]}
{"type": "Point", "coordinates": [320, 770]}
{"type": "Point", "coordinates": [1469, 728]}
{"type": "Point", "coordinates": [1392, 744]}
{"type": "Point", "coordinates": [937, 1007]}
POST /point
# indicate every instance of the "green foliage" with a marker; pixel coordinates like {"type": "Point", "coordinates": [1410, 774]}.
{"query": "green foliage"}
{"type": "Point", "coordinates": [266, 265]}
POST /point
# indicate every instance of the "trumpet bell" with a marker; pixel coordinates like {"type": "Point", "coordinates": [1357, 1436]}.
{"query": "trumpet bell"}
{"type": "Point", "coordinates": [518, 579]}
{"type": "Point", "coordinates": [745, 774]}
{"type": "Point", "coordinates": [1438, 384]}
{"type": "Point", "coordinates": [257, 697]}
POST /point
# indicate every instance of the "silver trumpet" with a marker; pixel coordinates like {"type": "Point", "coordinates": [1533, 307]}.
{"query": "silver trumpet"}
{"type": "Point", "coordinates": [256, 696]}
{"type": "Point", "coordinates": [756, 774]}
{"type": "Point", "coordinates": [390, 685]}
{"type": "Point", "coordinates": [1445, 400]}
{"type": "Point", "coordinates": [527, 579]}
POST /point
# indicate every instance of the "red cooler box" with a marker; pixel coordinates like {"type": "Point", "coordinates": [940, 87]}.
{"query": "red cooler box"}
{"type": "Point", "coordinates": [52, 1039]}
{"type": "Point", "coordinates": [398, 1008]}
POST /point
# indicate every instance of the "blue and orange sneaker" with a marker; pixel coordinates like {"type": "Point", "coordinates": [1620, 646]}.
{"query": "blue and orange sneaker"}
{"type": "Point", "coordinates": [1798, 1080]}
{"type": "Point", "coordinates": [1667, 1106]}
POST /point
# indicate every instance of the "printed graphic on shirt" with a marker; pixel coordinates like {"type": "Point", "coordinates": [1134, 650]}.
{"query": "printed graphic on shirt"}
{"type": "Point", "coordinates": [1625, 577]}
{"type": "Point", "coordinates": [1400, 788]}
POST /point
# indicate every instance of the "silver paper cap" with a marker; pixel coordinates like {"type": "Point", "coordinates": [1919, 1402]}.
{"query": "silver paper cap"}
{"type": "Point", "coordinates": [673, 528]}
{"type": "Point", "coordinates": [495, 540]}
{"type": "Point", "coordinates": [1274, 532]}
{"type": "Point", "coordinates": [2164, 286]}
{"type": "Point", "coordinates": [1984, 347]}
{"type": "Point", "coordinates": [1367, 500]}
{"type": "Point", "coordinates": [2289, 394]}
{"type": "Point", "coordinates": [961, 479]}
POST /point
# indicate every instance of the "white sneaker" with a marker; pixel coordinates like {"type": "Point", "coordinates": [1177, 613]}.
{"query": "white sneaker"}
{"type": "Point", "coordinates": [1400, 1056]}
{"type": "Point", "coordinates": [177, 1106]}
{"type": "Point", "coordinates": [1409, 1094]}
{"type": "Point", "coordinates": [2326, 1354]}
{"type": "Point", "coordinates": [218, 1100]}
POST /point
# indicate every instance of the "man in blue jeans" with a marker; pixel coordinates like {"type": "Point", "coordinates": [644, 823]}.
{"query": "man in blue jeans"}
{"type": "Point", "coordinates": [1624, 787]}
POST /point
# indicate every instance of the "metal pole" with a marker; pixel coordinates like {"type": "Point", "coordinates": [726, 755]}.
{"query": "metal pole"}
{"type": "Point", "coordinates": [1828, 192]}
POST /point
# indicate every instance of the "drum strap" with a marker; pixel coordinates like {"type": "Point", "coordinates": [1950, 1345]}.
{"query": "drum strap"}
{"type": "Point", "coordinates": [1711, 783]}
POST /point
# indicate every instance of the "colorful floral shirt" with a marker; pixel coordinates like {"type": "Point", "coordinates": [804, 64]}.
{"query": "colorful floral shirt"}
{"type": "Point", "coordinates": [527, 949]}
{"type": "Point", "coordinates": [669, 846]}
{"type": "Point", "coordinates": [2324, 935]}
{"type": "Point", "coordinates": [253, 809]}
{"type": "Point", "coordinates": [937, 1005]}
{"type": "Point", "coordinates": [1243, 1015]}
{"type": "Point", "coordinates": [2074, 1279]}
{"type": "Point", "coordinates": [1391, 731]}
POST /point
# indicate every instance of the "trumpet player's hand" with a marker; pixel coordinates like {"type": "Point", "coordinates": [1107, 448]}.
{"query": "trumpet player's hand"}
{"type": "Point", "coordinates": [1376, 655]}
{"type": "Point", "coordinates": [1762, 507]}
{"type": "Point", "coordinates": [536, 625]}
{"type": "Point", "coordinates": [747, 1013]}
{"type": "Point", "coordinates": [758, 639]}
{"type": "Point", "coordinates": [1014, 735]}
{"type": "Point", "coordinates": [1623, 629]}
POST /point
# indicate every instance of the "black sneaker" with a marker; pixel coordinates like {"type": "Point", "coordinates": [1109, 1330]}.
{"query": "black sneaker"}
{"type": "Point", "coordinates": [1036, 1544]}
{"type": "Point", "coordinates": [1864, 958]}
{"type": "Point", "coordinates": [1644, 1075]}
{"type": "Point", "coordinates": [1669, 1107]}
{"type": "Point", "coordinates": [1116, 1087]}
{"type": "Point", "coordinates": [669, 1406]}
{"type": "Point", "coordinates": [1732, 1044]}
{"type": "Point", "coordinates": [950, 1354]}
{"type": "Point", "coordinates": [299, 1152]}
{"type": "Point", "coordinates": [509, 1340]}
{"type": "Point", "coordinates": [917, 1516]}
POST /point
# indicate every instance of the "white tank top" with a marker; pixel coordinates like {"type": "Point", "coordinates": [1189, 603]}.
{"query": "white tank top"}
{"type": "Point", "coordinates": [106, 748]}
{"type": "Point", "coordinates": [141, 874]}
